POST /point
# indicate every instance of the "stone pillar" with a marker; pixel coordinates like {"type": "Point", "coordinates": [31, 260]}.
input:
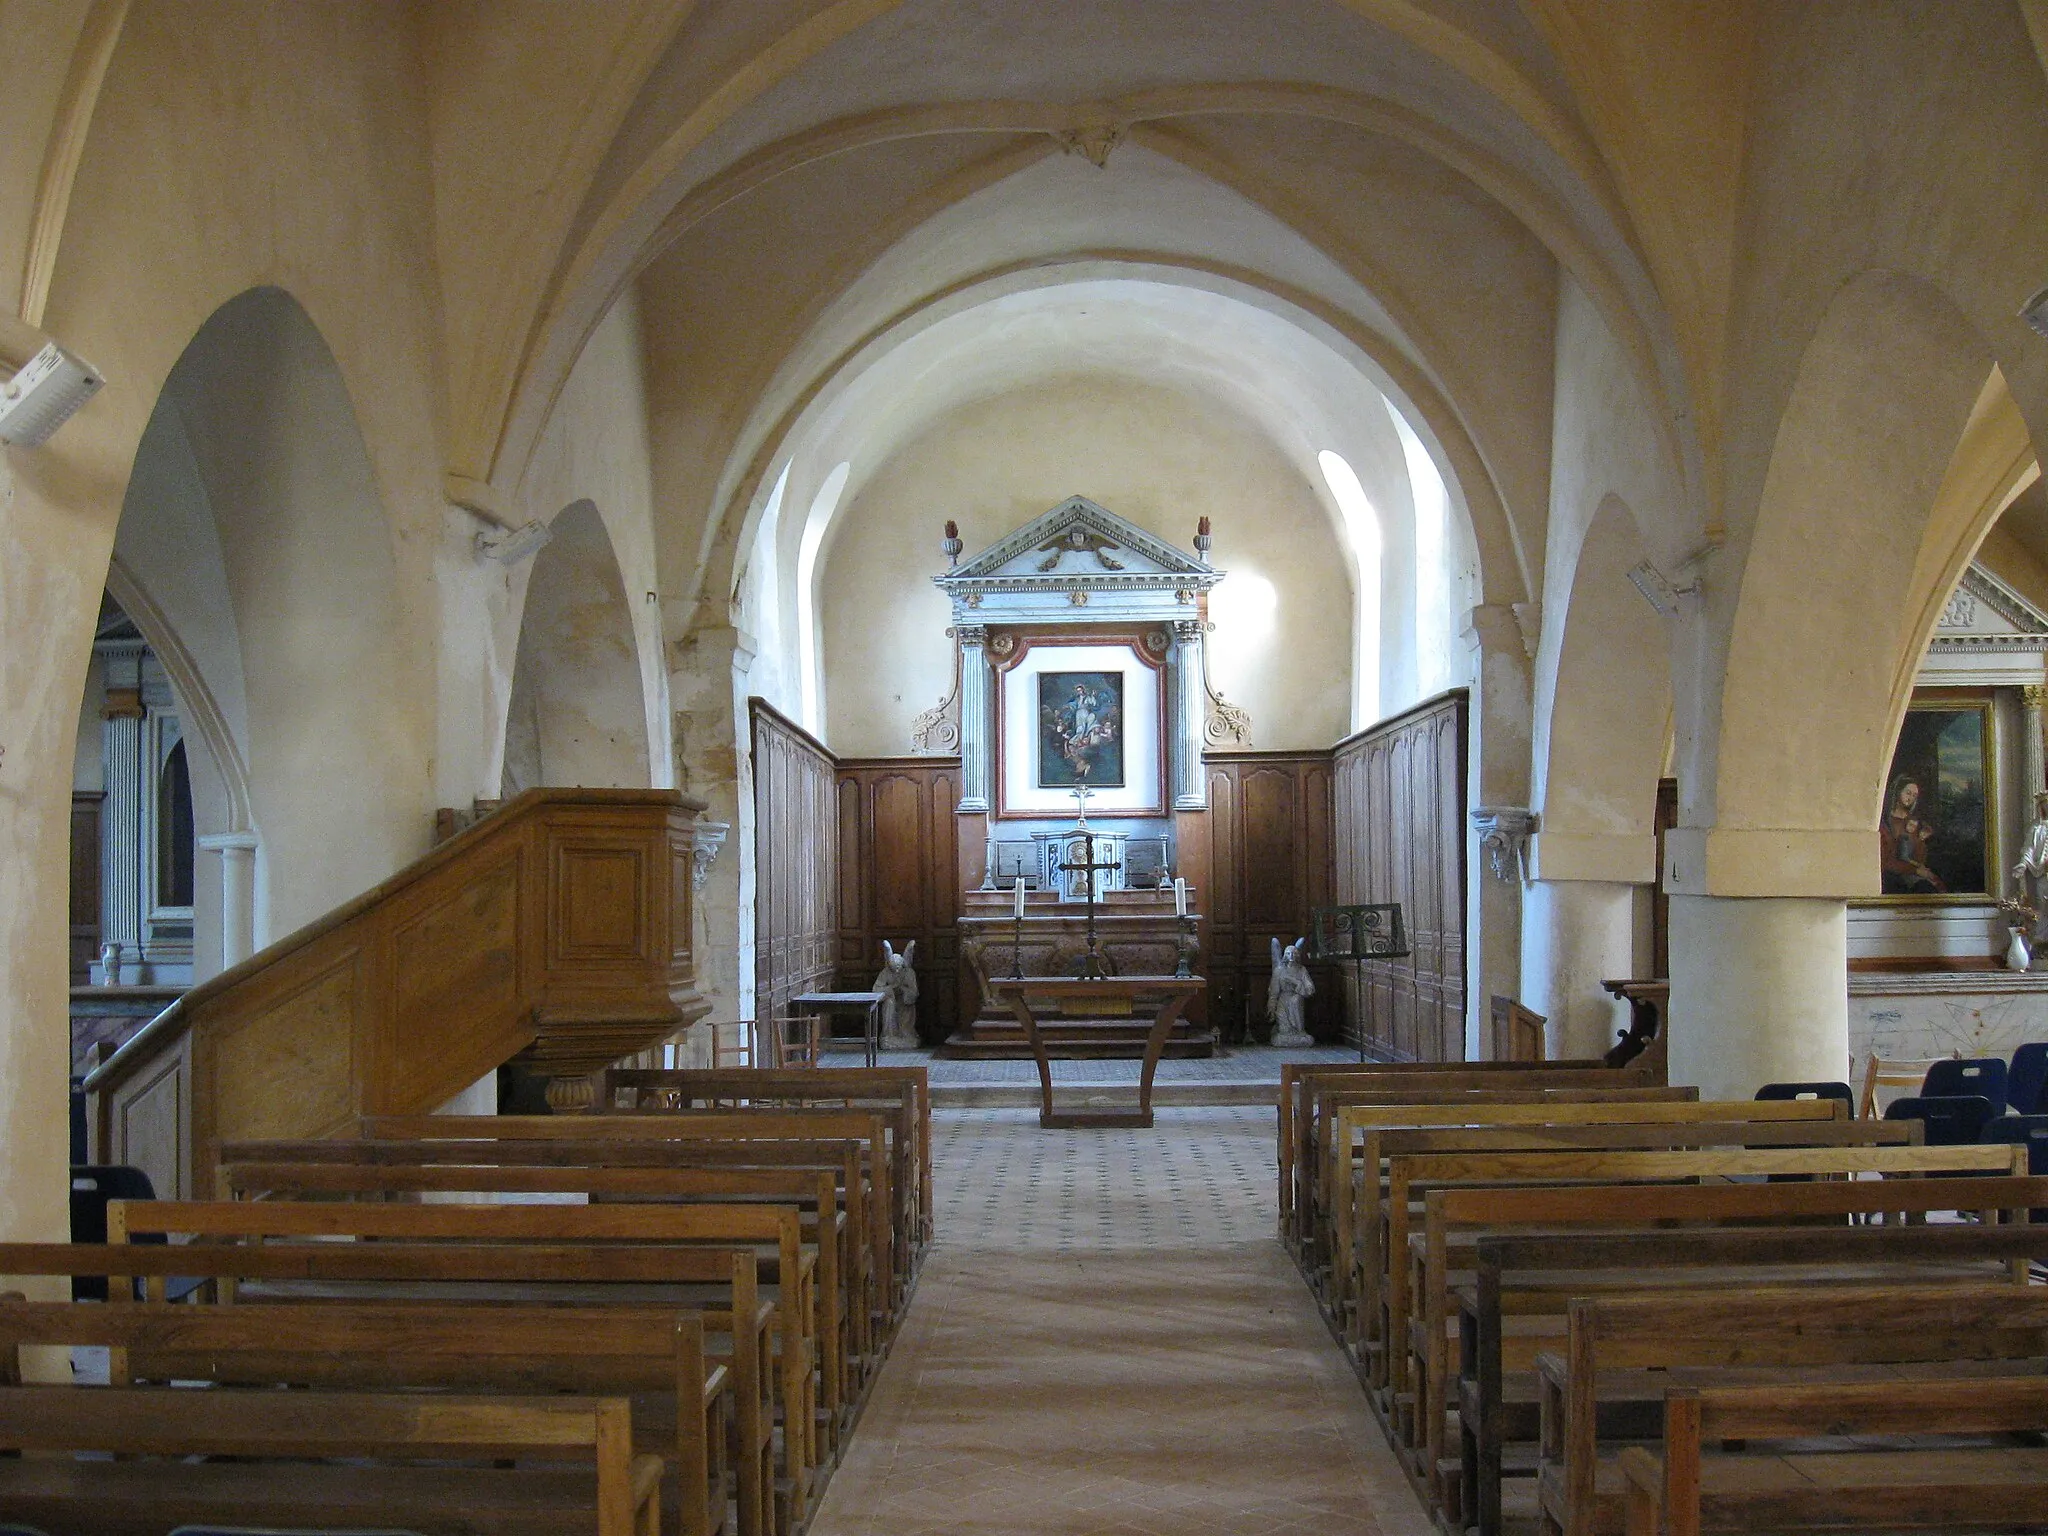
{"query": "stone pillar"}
{"type": "Point", "coordinates": [707, 695]}
{"type": "Point", "coordinates": [237, 852]}
{"type": "Point", "coordinates": [976, 786]}
{"type": "Point", "coordinates": [1499, 779]}
{"type": "Point", "coordinates": [1759, 992]}
{"type": "Point", "coordinates": [1187, 717]}
{"type": "Point", "coordinates": [2032, 747]}
{"type": "Point", "coordinates": [121, 851]}
{"type": "Point", "coordinates": [1575, 935]}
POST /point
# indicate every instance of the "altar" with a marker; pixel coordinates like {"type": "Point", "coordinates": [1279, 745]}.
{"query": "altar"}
{"type": "Point", "coordinates": [1083, 703]}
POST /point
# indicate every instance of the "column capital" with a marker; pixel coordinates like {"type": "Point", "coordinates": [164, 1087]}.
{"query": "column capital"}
{"type": "Point", "coordinates": [972, 636]}
{"type": "Point", "coordinates": [2035, 696]}
{"type": "Point", "coordinates": [228, 842]}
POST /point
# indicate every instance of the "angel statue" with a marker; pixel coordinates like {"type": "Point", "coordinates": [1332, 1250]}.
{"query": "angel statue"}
{"type": "Point", "coordinates": [2031, 876]}
{"type": "Point", "coordinates": [898, 985]}
{"type": "Point", "coordinates": [1291, 983]}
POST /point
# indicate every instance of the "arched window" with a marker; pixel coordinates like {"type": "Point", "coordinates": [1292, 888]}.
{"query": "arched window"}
{"type": "Point", "coordinates": [174, 840]}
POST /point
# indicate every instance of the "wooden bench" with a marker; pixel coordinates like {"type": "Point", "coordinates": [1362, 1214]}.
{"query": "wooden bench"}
{"type": "Point", "coordinates": [1318, 1095]}
{"type": "Point", "coordinates": [902, 1091]}
{"type": "Point", "coordinates": [1353, 1121]}
{"type": "Point", "coordinates": [1640, 1346]}
{"type": "Point", "coordinates": [1516, 1302]}
{"type": "Point", "coordinates": [891, 1222]}
{"type": "Point", "coordinates": [620, 1494]}
{"type": "Point", "coordinates": [1360, 1231]}
{"type": "Point", "coordinates": [840, 1294]}
{"type": "Point", "coordinates": [1295, 1075]}
{"type": "Point", "coordinates": [271, 1483]}
{"type": "Point", "coordinates": [1420, 1354]}
{"type": "Point", "coordinates": [763, 1354]}
{"type": "Point", "coordinates": [1685, 1490]}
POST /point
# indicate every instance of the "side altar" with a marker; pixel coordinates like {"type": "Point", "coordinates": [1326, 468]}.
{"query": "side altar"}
{"type": "Point", "coordinates": [1083, 702]}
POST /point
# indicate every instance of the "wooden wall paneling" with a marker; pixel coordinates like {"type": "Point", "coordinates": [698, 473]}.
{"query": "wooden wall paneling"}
{"type": "Point", "coordinates": [1269, 865]}
{"type": "Point", "coordinates": [1399, 832]}
{"type": "Point", "coordinates": [796, 862]}
{"type": "Point", "coordinates": [900, 875]}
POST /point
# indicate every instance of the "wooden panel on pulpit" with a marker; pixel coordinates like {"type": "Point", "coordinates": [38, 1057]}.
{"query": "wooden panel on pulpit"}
{"type": "Point", "coordinates": [899, 875]}
{"type": "Point", "coordinates": [796, 849]}
{"type": "Point", "coordinates": [1269, 866]}
{"type": "Point", "coordinates": [1399, 832]}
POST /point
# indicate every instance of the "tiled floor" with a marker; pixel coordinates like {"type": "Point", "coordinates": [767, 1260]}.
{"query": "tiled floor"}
{"type": "Point", "coordinates": [1107, 1338]}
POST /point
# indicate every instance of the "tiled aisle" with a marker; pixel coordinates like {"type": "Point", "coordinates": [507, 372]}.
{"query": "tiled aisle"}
{"type": "Point", "coordinates": [1108, 1338]}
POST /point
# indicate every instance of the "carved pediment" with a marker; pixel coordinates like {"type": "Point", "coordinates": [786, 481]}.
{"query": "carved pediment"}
{"type": "Point", "coordinates": [1986, 614]}
{"type": "Point", "coordinates": [1080, 544]}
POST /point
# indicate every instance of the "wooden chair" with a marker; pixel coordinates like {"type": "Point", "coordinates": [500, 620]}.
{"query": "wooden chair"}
{"type": "Point", "coordinates": [1881, 1074]}
{"type": "Point", "coordinates": [798, 1039]}
{"type": "Point", "coordinates": [740, 1053]}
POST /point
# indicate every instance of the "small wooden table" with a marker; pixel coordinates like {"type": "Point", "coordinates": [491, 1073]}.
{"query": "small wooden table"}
{"type": "Point", "coordinates": [829, 1003]}
{"type": "Point", "coordinates": [1172, 994]}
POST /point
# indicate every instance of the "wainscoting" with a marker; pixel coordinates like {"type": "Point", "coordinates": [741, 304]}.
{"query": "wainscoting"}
{"type": "Point", "coordinates": [796, 842]}
{"type": "Point", "coordinates": [899, 877]}
{"type": "Point", "coordinates": [1270, 864]}
{"type": "Point", "coordinates": [1400, 836]}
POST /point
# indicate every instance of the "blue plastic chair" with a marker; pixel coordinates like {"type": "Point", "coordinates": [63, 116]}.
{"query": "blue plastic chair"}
{"type": "Point", "coordinates": [1773, 1091]}
{"type": "Point", "coordinates": [91, 1190]}
{"type": "Point", "coordinates": [2026, 1078]}
{"type": "Point", "coordinates": [1950, 1079]}
{"type": "Point", "coordinates": [2029, 1131]}
{"type": "Point", "coordinates": [1952, 1120]}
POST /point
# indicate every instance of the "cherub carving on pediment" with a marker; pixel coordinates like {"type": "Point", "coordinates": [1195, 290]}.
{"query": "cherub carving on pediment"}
{"type": "Point", "coordinates": [1078, 541]}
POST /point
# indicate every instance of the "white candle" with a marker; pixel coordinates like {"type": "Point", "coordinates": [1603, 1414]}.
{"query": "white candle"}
{"type": "Point", "coordinates": [1180, 896]}
{"type": "Point", "coordinates": [1020, 898]}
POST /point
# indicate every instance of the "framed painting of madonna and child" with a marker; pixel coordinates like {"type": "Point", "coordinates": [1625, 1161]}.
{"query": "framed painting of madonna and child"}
{"type": "Point", "coordinates": [1938, 831]}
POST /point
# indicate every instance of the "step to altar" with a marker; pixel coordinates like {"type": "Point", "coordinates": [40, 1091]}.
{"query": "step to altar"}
{"type": "Point", "coordinates": [991, 1040]}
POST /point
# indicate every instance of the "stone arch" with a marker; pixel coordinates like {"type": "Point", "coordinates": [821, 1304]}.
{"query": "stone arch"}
{"type": "Point", "coordinates": [253, 532]}
{"type": "Point", "coordinates": [1602, 724]}
{"type": "Point", "coordinates": [577, 714]}
{"type": "Point", "coordinates": [1881, 402]}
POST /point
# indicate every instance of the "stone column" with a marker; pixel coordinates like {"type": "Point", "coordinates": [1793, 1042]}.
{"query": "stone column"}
{"type": "Point", "coordinates": [1499, 779]}
{"type": "Point", "coordinates": [121, 851]}
{"type": "Point", "coordinates": [1187, 717]}
{"type": "Point", "coordinates": [1575, 935]}
{"type": "Point", "coordinates": [976, 785]}
{"type": "Point", "coordinates": [2032, 747]}
{"type": "Point", "coordinates": [707, 687]}
{"type": "Point", "coordinates": [237, 852]}
{"type": "Point", "coordinates": [1759, 992]}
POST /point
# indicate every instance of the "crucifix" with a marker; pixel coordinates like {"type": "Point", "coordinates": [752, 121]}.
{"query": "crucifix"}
{"type": "Point", "coordinates": [1091, 963]}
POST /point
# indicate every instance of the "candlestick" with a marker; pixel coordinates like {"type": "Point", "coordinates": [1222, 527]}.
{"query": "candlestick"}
{"type": "Point", "coordinates": [1017, 907]}
{"type": "Point", "coordinates": [1180, 896]}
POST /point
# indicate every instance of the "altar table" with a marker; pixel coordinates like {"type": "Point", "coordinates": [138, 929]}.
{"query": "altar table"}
{"type": "Point", "coordinates": [1030, 995]}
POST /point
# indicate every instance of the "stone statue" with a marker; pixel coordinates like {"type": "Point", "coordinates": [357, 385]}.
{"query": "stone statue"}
{"type": "Point", "coordinates": [2032, 874]}
{"type": "Point", "coordinates": [898, 985]}
{"type": "Point", "coordinates": [1291, 984]}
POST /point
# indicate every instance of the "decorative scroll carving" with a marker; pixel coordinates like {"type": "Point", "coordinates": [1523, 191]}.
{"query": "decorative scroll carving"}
{"type": "Point", "coordinates": [1504, 838]}
{"type": "Point", "coordinates": [936, 732]}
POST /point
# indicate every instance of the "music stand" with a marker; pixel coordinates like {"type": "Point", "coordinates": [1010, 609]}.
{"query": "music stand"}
{"type": "Point", "coordinates": [1358, 934]}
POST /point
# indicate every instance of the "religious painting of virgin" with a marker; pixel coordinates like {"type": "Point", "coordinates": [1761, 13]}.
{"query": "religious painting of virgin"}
{"type": "Point", "coordinates": [1080, 730]}
{"type": "Point", "coordinates": [1938, 831]}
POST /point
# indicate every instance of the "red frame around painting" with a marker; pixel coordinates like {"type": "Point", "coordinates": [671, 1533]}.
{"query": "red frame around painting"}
{"type": "Point", "coordinates": [1022, 643]}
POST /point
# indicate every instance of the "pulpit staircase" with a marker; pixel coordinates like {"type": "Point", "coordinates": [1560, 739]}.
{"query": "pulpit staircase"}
{"type": "Point", "coordinates": [555, 934]}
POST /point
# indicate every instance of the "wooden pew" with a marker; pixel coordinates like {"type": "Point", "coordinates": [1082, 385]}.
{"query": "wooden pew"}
{"type": "Point", "coordinates": [815, 1191]}
{"type": "Point", "coordinates": [1353, 1120]}
{"type": "Point", "coordinates": [1756, 1336]}
{"type": "Point", "coordinates": [406, 1439]}
{"type": "Point", "coordinates": [743, 1169]}
{"type": "Point", "coordinates": [1421, 1357]}
{"type": "Point", "coordinates": [1362, 1224]}
{"type": "Point", "coordinates": [1971, 1486]}
{"type": "Point", "coordinates": [397, 1343]}
{"type": "Point", "coordinates": [1530, 1281]}
{"type": "Point", "coordinates": [892, 1221]}
{"type": "Point", "coordinates": [905, 1091]}
{"type": "Point", "coordinates": [1294, 1075]}
{"type": "Point", "coordinates": [759, 1334]}
{"type": "Point", "coordinates": [1303, 1109]}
